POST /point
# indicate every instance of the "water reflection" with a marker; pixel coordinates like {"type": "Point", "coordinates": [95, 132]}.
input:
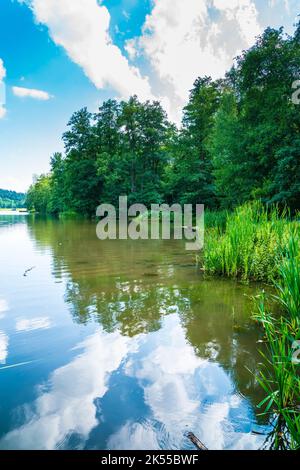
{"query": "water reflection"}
{"type": "Point", "coordinates": [30, 324]}
{"type": "Point", "coordinates": [3, 307]}
{"type": "Point", "coordinates": [3, 347]}
{"type": "Point", "coordinates": [162, 351]}
{"type": "Point", "coordinates": [171, 391]}
{"type": "Point", "coordinates": [184, 391]}
{"type": "Point", "coordinates": [65, 404]}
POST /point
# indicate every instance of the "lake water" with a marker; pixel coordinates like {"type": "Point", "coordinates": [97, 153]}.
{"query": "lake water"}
{"type": "Point", "coordinates": [120, 344]}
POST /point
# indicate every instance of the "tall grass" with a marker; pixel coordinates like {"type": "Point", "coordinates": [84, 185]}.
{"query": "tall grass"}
{"type": "Point", "coordinates": [216, 220]}
{"type": "Point", "coordinates": [250, 245]}
{"type": "Point", "coordinates": [280, 377]}
{"type": "Point", "coordinates": [259, 243]}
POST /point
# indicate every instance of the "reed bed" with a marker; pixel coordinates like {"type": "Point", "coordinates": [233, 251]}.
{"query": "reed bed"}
{"type": "Point", "coordinates": [250, 245]}
{"type": "Point", "coordinates": [280, 375]}
{"type": "Point", "coordinates": [262, 244]}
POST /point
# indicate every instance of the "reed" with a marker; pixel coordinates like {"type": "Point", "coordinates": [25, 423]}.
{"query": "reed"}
{"type": "Point", "coordinates": [280, 375]}
{"type": "Point", "coordinates": [263, 244]}
{"type": "Point", "coordinates": [216, 220]}
{"type": "Point", "coordinates": [250, 245]}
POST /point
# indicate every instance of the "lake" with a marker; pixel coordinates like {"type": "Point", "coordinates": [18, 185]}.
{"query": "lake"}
{"type": "Point", "coordinates": [120, 344]}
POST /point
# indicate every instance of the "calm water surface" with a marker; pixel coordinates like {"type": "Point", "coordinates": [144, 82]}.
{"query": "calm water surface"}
{"type": "Point", "coordinates": [119, 344]}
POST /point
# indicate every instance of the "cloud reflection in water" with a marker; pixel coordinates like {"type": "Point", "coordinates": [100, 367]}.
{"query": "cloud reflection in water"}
{"type": "Point", "coordinates": [181, 392]}
{"type": "Point", "coordinates": [67, 406]}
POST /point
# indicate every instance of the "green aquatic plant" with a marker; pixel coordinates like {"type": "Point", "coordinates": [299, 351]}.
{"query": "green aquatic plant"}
{"type": "Point", "coordinates": [263, 244]}
{"type": "Point", "coordinates": [288, 284]}
{"type": "Point", "coordinates": [250, 246]}
{"type": "Point", "coordinates": [216, 220]}
{"type": "Point", "coordinates": [280, 374]}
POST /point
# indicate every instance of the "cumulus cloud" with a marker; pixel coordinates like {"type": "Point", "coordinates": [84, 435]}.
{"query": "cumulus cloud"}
{"type": "Point", "coordinates": [2, 89]}
{"type": "Point", "coordinates": [130, 48]}
{"type": "Point", "coordinates": [82, 29]}
{"type": "Point", "coordinates": [31, 93]}
{"type": "Point", "coordinates": [184, 40]}
{"type": "Point", "coordinates": [179, 40]}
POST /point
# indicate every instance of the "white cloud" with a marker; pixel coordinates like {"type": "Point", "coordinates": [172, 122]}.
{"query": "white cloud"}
{"type": "Point", "coordinates": [2, 89]}
{"type": "Point", "coordinates": [30, 93]}
{"type": "Point", "coordinates": [30, 324]}
{"type": "Point", "coordinates": [184, 40]}
{"type": "Point", "coordinates": [82, 29]}
{"type": "Point", "coordinates": [3, 347]}
{"type": "Point", "coordinates": [180, 41]}
{"type": "Point", "coordinates": [130, 48]}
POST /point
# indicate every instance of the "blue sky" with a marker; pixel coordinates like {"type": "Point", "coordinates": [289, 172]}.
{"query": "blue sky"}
{"type": "Point", "coordinates": [57, 56]}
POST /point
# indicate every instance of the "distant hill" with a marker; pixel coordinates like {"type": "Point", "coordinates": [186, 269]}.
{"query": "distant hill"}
{"type": "Point", "coordinates": [11, 199]}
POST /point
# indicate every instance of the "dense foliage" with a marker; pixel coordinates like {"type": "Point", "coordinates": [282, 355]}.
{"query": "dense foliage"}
{"type": "Point", "coordinates": [11, 199]}
{"type": "Point", "coordinates": [239, 141]}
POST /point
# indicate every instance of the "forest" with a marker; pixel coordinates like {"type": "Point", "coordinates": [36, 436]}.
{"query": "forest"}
{"type": "Point", "coordinates": [239, 141]}
{"type": "Point", "coordinates": [11, 199]}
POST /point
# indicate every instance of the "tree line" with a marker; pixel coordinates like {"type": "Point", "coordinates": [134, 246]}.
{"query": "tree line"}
{"type": "Point", "coordinates": [239, 140]}
{"type": "Point", "coordinates": [11, 199]}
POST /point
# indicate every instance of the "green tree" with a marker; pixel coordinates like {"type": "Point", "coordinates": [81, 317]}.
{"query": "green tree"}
{"type": "Point", "coordinates": [11, 199]}
{"type": "Point", "coordinates": [191, 180]}
{"type": "Point", "coordinates": [82, 184]}
{"type": "Point", "coordinates": [132, 143]}
{"type": "Point", "coordinates": [224, 145]}
{"type": "Point", "coordinates": [239, 140]}
{"type": "Point", "coordinates": [57, 202]}
{"type": "Point", "coordinates": [39, 194]}
{"type": "Point", "coordinates": [269, 121]}
{"type": "Point", "coordinates": [109, 163]}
